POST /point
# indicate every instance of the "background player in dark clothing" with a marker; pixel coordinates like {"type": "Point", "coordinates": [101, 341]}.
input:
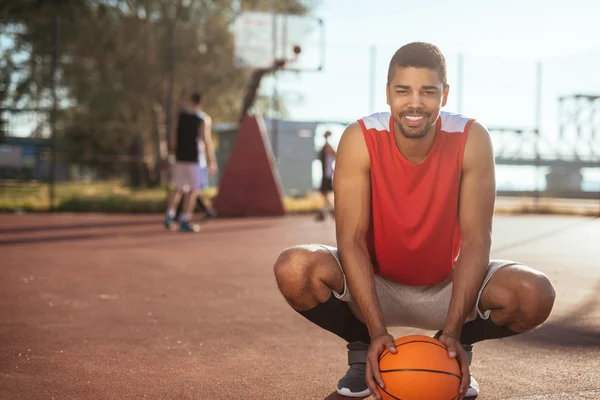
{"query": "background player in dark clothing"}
{"type": "Point", "coordinates": [193, 125]}
{"type": "Point", "coordinates": [327, 157]}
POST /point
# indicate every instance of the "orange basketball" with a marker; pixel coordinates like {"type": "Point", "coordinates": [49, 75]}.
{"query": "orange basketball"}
{"type": "Point", "coordinates": [421, 370]}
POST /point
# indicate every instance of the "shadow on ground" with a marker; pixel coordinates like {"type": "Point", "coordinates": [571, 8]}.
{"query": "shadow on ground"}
{"type": "Point", "coordinates": [160, 230]}
{"type": "Point", "coordinates": [87, 225]}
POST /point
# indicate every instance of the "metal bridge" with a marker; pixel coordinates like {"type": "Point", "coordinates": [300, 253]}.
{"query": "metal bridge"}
{"type": "Point", "coordinates": [576, 145]}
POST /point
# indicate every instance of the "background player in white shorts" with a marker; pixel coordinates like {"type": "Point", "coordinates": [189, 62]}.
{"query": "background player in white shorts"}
{"type": "Point", "coordinates": [193, 126]}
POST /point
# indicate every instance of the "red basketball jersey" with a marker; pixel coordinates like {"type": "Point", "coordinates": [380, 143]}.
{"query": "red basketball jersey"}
{"type": "Point", "coordinates": [414, 236]}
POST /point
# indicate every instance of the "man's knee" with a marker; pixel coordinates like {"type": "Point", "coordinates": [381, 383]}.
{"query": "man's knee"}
{"type": "Point", "coordinates": [536, 299]}
{"type": "Point", "coordinates": [304, 272]}
{"type": "Point", "coordinates": [541, 298]}
{"type": "Point", "coordinates": [292, 270]}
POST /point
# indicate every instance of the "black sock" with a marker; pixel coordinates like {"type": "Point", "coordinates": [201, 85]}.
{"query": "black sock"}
{"type": "Point", "coordinates": [483, 329]}
{"type": "Point", "coordinates": [335, 316]}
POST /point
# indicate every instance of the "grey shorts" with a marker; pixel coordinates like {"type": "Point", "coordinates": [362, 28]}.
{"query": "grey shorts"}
{"type": "Point", "coordinates": [187, 176]}
{"type": "Point", "coordinates": [423, 307]}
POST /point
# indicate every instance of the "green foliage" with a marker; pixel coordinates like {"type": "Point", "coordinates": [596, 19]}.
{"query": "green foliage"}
{"type": "Point", "coordinates": [114, 196]}
{"type": "Point", "coordinates": [114, 62]}
{"type": "Point", "coordinates": [110, 196]}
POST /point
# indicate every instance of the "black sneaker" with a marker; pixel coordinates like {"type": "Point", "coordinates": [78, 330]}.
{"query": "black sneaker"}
{"type": "Point", "coordinates": [353, 384]}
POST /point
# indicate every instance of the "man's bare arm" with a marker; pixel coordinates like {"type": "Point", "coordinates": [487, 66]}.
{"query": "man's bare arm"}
{"type": "Point", "coordinates": [352, 189]}
{"type": "Point", "coordinates": [209, 145]}
{"type": "Point", "coordinates": [208, 142]}
{"type": "Point", "coordinates": [476, 210]}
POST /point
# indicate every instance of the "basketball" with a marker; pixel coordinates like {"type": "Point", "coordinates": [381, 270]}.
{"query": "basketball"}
{"type": "Point", "coordinates": [421, 370]}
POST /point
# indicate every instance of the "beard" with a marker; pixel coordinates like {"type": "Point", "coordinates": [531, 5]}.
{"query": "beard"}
{"type": "Point", "coordinates": [414, 132]}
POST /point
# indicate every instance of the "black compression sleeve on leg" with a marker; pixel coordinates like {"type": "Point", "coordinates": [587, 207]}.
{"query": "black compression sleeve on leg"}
{"type": "Point", "coordinates": [483, 329]}
{"type": "Point", "coordinates": [335, 316]}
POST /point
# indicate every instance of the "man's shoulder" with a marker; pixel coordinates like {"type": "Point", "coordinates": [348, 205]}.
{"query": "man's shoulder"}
{"type": "Point", "coordinates": [454, 123]}
{"type": "Point", "coordinates": [376, 122]}
{"type": "Point", "coordinates": [204, 116]}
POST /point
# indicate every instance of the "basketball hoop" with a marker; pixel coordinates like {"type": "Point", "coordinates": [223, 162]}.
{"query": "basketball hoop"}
{"type": "Point", "coordinates": [267, 43]}
{"type": "Point", "coordinates": [278, 41]}
{"type": "Point", "coordinates": [283, 63]}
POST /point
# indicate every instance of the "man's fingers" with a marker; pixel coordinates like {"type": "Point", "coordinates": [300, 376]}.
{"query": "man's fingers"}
{"type": "Point", "coordinates": [371, 383]}
{"type": "Point", "coordinates": [465, 380]}
{"type": "Point", "coordinates": [451, 350]}
{"type": "Point", "coordinates": [391, 346]}
{"type": "Point", "coordinates": [377, 374]}
{"type": "Point", "coordinates": [464, 386]}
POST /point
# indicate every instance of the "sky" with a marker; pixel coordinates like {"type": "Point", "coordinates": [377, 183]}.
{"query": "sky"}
{"type": "Point", "coordinates": [500, 42]}
{"type": "Point", "coordinates": [507, 47]}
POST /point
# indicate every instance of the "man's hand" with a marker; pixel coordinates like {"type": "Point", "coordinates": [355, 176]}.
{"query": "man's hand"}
{"type": "Point", "coordinates": [455, 350]}
{"type": "Point", "coordinates": [373, 376]}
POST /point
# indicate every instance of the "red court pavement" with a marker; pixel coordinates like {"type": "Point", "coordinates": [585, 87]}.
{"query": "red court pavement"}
{"type": "Point", "coordinates": [115, 307]}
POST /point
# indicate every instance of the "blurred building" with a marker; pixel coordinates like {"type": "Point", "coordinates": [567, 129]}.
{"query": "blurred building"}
{"type": "Point", "coordinates": [28, 159]}
{"type": "Point", "coordinates": [293, 145]}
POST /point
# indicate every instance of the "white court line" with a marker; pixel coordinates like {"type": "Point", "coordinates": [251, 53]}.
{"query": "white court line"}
{"type": "Point", "coordinates": [585, 395]}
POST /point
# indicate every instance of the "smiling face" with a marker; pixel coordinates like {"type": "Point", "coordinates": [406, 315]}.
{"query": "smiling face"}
{"type": "Point", "coordinates": [416, 88]}
{"type": "Point", "coordinates": [415, 96]}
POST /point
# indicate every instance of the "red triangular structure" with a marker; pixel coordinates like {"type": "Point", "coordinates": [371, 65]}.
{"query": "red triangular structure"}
{"type": "Point", "coordinates": [250, 185]}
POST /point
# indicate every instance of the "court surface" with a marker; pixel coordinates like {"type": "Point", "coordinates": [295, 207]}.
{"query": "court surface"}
{"type": "Point", "coordinates": [115, 307]}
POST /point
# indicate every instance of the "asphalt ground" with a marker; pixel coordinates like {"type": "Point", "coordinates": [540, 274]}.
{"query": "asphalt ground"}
{"type": "Point", "coordinates": [116, 307]}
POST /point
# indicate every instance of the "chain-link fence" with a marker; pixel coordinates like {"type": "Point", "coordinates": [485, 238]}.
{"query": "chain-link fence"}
{"type": "Point", "coordinates": [28, 150]}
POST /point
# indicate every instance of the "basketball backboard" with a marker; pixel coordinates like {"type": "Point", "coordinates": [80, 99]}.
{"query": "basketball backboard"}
{"type": "Point", "coordinates": [261, 39]}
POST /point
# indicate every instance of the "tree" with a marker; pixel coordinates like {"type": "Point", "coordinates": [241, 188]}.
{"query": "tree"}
{"type": "Point", "coordinates": [113, 70]}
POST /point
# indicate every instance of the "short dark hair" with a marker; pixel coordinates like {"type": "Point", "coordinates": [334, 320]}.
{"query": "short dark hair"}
{"type": "Point", "coordinates": [419, 55]}
{"type": "Point", "coordinates": [196, 97]}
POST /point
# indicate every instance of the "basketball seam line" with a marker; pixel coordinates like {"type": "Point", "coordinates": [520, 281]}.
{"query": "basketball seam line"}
{"type": "Point", "coordinates": [419, 370]}
{"type": "Point", "coordinates": [413, 341]}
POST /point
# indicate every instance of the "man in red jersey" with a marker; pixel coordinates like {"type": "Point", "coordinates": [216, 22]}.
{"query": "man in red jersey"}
{"type": "Point", "coordinates": [414, 198]}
